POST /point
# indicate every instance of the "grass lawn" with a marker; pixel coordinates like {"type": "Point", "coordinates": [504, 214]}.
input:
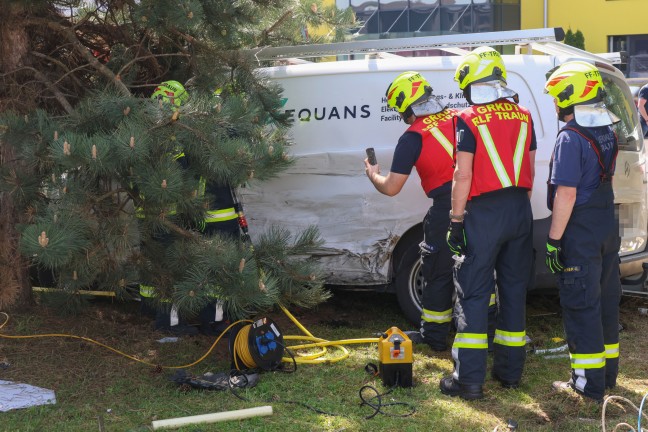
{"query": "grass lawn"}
{"type": "Point", "coordinates": [100, 390]}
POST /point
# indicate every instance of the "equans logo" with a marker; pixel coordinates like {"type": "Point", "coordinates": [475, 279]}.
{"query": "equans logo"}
{"type": "Point", "coordinates": [327, 113]}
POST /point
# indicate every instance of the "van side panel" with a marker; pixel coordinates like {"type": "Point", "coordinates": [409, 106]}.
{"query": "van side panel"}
{"type": "Point", "coordinates": [334, 121]}
{"type": "Point", "coordinates": [339, 109]}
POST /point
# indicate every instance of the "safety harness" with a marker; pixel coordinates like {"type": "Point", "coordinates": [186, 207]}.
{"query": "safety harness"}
{"type": "Point", "coordinates": [607, 171]}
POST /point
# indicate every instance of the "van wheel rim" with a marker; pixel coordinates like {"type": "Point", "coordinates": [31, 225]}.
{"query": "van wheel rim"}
{"type": "Point", "coordinates": [416, 284]}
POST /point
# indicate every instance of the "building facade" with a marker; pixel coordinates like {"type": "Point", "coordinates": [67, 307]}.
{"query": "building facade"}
{"type": "Point", "coordinates": [406, 18]}
{"type": "Point", "coordinates": [607, 25]}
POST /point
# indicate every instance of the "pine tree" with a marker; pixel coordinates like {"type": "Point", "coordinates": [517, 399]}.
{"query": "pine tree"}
{"type": "Point", "coordinates": [575, 39]}
{"type": "Point", "coordinates": [89, 184]}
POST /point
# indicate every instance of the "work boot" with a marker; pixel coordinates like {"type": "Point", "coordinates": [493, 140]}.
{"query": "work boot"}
{"type": "Point", "coordinates": [178, 330]}
{"type": "Point", "coordinates": [610, 383]}
{"type": "Point", "coordinates": [163, 324]}
{"type": "Point", "coordinates": [451, 387]}
{"type": "Point", "coordinates": [417, 338]}
{"type": "Point", "coordinates": [505, 383]}
{"type": "Point", "coordinates": [563, 386]}
{"type": "Point", "coordinates": [214, 328]}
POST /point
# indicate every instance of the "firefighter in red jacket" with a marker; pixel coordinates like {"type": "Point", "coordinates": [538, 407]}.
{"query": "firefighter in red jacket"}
{"type": "Point", "coordinates": [490, 225]}
{"type": "Point", "coordinates": [427, 145]}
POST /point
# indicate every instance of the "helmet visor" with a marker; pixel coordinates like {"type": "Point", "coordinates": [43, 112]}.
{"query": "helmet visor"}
{"type": "Point", "coordinates": [429, 106]}
{"type": "Point", "coordinates": [481, 93]}
{"type": "Point", "coordinates": [594, 115]}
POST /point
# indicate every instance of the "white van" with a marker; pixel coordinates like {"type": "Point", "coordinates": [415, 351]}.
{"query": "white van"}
{"type": "Point", "coordinates": [339, 109]}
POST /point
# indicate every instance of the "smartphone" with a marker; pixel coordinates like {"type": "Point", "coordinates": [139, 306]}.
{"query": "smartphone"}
{"type": "Point", "coordinates": [371, 156]}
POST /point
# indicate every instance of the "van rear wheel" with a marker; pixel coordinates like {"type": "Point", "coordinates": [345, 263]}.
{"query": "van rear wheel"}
{"type": "Point", "coordinates": [409, 283]}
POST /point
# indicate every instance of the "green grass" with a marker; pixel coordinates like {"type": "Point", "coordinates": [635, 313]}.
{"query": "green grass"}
{"type": "Point", "coordinates": [92, 382]}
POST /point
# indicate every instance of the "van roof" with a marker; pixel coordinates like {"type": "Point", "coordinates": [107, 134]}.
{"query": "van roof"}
{"type": "Point", "coordinates": [545, 40]}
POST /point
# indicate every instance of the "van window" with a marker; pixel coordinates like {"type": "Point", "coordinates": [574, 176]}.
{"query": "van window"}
{"type": "Point", "coordinates": [619, 101]}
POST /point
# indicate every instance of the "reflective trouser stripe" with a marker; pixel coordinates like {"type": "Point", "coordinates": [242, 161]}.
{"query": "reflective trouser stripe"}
{"type": "Point", "coordinates": [515, 339]}
{"type": "Point", "coordinates": [174, 318]}
{"type": "Point", "coordinates": [471, 340]}
{"type": "Point", "coordinates": [587, 361]}
{"type": "Point", "coordinates": [436, 317]}
{"type": "Point", "coordinates": [147, 291]}
{"type": "Point", "coordinates": [612, 351]}
{"type": "Point", "coordinates": [221, 215]}
{"type": "Point", "coordinates": [218, 306]}
{"type": "Point", "coordinates": [492, 300]}
{"type": "Point", "coordinates": [201, 187]}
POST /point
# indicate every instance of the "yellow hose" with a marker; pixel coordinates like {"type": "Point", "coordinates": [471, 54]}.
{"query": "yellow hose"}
{"type": "Point", "coordinates": [128, 356]}
{"type": "Point", "coordinates": [318, 358]}
{"type": "Point", "coordinates": [308, 358]}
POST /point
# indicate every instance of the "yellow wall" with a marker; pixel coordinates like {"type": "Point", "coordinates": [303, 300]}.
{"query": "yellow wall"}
{"type": "Point", "coordinates": [597, 19]}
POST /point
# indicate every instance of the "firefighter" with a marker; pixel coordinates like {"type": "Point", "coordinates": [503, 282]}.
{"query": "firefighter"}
{"type": "Point", "coordinates": [427, 145]}
{"type": "Point", "coordinates": [583, 241]}
{"type": "Point", "coordinates": [490, 225]}
{"type": "Point", "coordinates": [221, 217]}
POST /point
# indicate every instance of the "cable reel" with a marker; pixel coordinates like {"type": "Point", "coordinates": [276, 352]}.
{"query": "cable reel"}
{"type": "Point", "coordinates": [256, 345]}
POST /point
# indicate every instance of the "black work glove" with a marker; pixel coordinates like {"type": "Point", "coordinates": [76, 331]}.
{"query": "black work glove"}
{"type": "Point", "coordinates": [553, 259]}
{"type": "Point", "coordinates": [456, 238]}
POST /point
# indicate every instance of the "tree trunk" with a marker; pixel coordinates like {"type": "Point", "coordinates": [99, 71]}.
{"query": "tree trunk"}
{"type": "Point", "coordinates": [15, 287]}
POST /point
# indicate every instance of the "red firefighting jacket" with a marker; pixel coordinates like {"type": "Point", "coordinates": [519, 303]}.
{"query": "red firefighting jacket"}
{"type": "Point", "coordinates": [435, 163]}
{"type": "Point", "coordinates": [503, 133]}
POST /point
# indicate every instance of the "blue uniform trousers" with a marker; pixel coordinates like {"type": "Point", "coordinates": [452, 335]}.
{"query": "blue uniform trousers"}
{"type": "Point", "coordinates": [436, 263]}
{"type": "Point", "coordinates": [438, 284]}
{"type": "Point", "coordinates": [590, 291]}
{"type": "Point", "coordinates": [498, 230]}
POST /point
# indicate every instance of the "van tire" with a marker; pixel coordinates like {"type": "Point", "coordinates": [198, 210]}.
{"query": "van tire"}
{"type": "Point", "coordinates": [409, 282]}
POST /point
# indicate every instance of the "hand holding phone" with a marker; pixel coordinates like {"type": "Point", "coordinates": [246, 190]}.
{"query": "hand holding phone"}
{"type": "Point", "coordinates": [371, 156]}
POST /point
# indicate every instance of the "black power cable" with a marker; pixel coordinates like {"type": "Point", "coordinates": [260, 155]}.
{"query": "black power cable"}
{"type": "Point", "coordinates": [379, 404]}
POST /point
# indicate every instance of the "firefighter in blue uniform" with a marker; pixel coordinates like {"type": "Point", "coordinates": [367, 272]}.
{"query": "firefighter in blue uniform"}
{"type": "Point", "coordinates": [583, 242]}
{"type": "Point", "coordinates": [490, 225]}
{"type": "Point", "coordinates": [427, 145]}
{"type": "Point", "coordinates": [221, 216]}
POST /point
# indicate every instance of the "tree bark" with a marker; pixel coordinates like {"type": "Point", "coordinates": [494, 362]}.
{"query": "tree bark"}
{"type": "Point", "coordinates": [15, 287]}
{"type": "Point", "coordinates": [14, 36]}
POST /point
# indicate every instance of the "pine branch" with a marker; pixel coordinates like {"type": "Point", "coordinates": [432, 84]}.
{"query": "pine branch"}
{"type": "Point", "coordinates": [60, 64]}
{"type": "Point", "coordinates": [70, 35]}
{"type": "Point", "coordinates": [149, 56]}
{"type": "Point", "coordinates": [266, 33]}
{"type": "Point", "coordinates": [57, 93]}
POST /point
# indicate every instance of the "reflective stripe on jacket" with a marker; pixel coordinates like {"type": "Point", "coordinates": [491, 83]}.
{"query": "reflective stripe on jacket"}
{"type": "Point", "coordinates": [503, 134]}
{"type": "Point", "coordinates": [435, 163]}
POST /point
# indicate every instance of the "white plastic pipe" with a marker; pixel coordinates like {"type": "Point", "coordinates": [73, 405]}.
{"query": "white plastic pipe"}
{"type": "Point", "coordinates": [212, 418]}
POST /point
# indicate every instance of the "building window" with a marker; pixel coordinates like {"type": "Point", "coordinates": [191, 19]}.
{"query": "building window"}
{"type": "Point", "coordinates": [636, 46]}
{"type": "Point", "coordinates": [402, 18]}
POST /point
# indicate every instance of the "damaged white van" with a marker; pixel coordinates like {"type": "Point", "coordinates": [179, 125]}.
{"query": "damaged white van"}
{"type": "Point", "coordinates": [339, 109]}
